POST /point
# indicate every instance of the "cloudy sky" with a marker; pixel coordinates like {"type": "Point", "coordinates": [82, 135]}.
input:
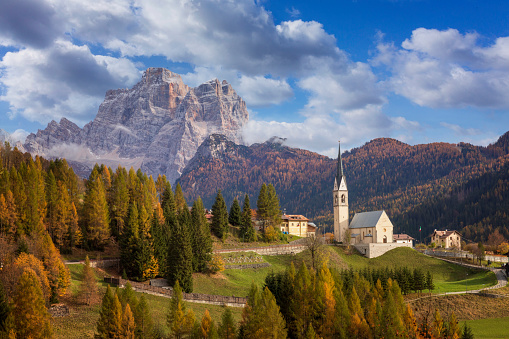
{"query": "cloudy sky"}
{"type": "Point", "coordinates": [311, 71]}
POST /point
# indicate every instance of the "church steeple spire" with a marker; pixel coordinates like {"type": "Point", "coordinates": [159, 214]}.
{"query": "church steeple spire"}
{"type": "Point", "coordinates": [339, 174]}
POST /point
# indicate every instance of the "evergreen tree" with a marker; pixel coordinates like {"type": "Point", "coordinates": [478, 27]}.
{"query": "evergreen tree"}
{"type": "Point", "coordinates": [248, 231]}
{"type": "Point", "coordinates": [261, 317]}
{"type": "Point", "coordinates": [179, 321]}
{"type": "Point", "coordinates": [467, 332]}
{"type": "Point", "coordinates": [159, 231]}
{"type": "Point", "coordinates": [168, 203]}
{"type": "Point", "coordinates": [391, 318]}
{"type": "Point", "coordinates": [51, 199]}
{"type": "Point", "coordinates": [227, 328]}
{"type": "Point", "coordinates": [128, 326]}
{"type": "Point", "coordinates": [453, 329]}
{"type": "Point", "coordinates": [109, 324]}
{"type": "Point", "coordinates": [118, 201]}
{"type": "Point", "coordinates": [429, 282]}
{"type": "Point", "coordinates": [201, 240]}
{"type": "Point", "coordinates": [130, 243]}
{"type": "Point", "coordinates": [219, 224]}
{"type": "Point", "coordinates": [273, 209]}
{"type": "Point", "coordinates": [208, 328]}
{"type": "Point", "coordinates": [95, 210]}
{"type": "Point", "coordinates": [144, 322]}
{"type": "Point", "coordinates": [31, 319]}
{"type": "Point", "coordinates": [262, 204]}
{"type": "Point", "coordinates": [88, 287]}
{"type": "Point", "coordinates": [179, 260]}
{"type": "Point", "coordinates": [235, 213]}
{"type": "Point", "coordinates": [180, 201]}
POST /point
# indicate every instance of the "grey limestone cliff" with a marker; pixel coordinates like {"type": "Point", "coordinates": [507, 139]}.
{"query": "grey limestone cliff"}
{"type": "Point", "coordinates": [157, 125]}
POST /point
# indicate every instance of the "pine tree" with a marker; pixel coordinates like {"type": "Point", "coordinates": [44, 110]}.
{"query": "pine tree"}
{"type": "Point", "coordinates": [128, 326]}
{"type": "Point", "coordinates": [31, 319]}
{"type": "Point", "coordinates": [179, 259]}
{"type": "Point", "coordinates": [96, 215]}
{"type": "Point", "coordinates": [219, 224]}
{"type": "Point", "coordinates": [144, 322]}
{"type": "Point", "coordinates": [168, 203]}
{"type": "Point", "coordinates": [429, 282]}
{"type": "Point", "coordinates": [118, 201]}
{"type": "Point", "coordinates": [227, 328]}
{"type": "Point", "coordinates": [273, 209]}
{"type": "Point", "coordinates": [208, 328]}
{"type": "Point", "coordinates": [179, 321]}
{"type": "Point", "coordinates": [109, 324]}
{"type": "Point", "coordinates": [51, 199]}
{"type": "Point", "coordinates": [437, 327]}
{"type": "Point", "coordinates": [201, 240]}
{"type": "Point", "coordinates": [248, 232]}
{"type": "Point", "coordinates": [88, 287]}
{"type": "Point", "coordinates": [235, 213]}
{"type": "Point", "coordinates": [180, 201]}
{"type": "Point", "coordinates": [467, 332]}
{"type": "Point", "coordinates": [262, 204]}
{"type": "Point", "coordinates": [261, 317]}
{"type": "Point", "coordinates": [130, 242]}
{"type": "Point", "coordinates": [453, 329]}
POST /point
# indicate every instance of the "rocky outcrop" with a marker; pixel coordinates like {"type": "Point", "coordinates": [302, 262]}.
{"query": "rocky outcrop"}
{"type": "Point", "coordinates": [157, 125]}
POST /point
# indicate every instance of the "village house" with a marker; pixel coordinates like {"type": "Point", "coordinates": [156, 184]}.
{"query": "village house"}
{"type": "Point", "coordinates": [446, 239]}
{"type": "Point", "coordinates": [403, 239]}
{"type": "Point", "coordinates": [297, 225]}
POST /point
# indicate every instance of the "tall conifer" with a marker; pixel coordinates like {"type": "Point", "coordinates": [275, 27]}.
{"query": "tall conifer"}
{"type": "Point", "coordinates": [201, 240]}
{"type": "Point", "coordinates": [32, 319]}
{"type": "Point", "coordinates": [220, 217]}
{"type": "Point", "coordinates": [179, 265]}
{"type": "Point", "coordinates": [96, 212]}
{"type": "Point", "coordinates": [235, 213]}
{"type": "Point", "coordinates": [248, 232]}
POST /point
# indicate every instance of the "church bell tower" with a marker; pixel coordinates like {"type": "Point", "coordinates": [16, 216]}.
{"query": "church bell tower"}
{"type": "Point", "coordinates": [340, 199]}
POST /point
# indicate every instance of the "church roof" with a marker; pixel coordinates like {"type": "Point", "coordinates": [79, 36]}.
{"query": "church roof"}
{"type": "Point", "coordinates": [366, 219]}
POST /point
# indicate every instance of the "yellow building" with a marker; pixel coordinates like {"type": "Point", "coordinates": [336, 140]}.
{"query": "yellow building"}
{"type": "Point", "coordinates": [297, 225]}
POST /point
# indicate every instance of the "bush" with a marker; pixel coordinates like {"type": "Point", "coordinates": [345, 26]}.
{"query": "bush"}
{"type": "Point", "coordinates": [216, 264]}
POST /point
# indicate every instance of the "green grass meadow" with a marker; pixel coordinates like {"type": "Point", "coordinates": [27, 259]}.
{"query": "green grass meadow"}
{"type": "Point", "coordinates": [81, 323]}
{"type": "Point", "coordinates": [492, 328]}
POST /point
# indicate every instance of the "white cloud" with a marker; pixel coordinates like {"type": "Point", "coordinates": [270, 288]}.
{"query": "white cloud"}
{"type": "Point", "coordinates": [61, 80]}
{"type": "Point", "coordinates": [260, 91]}
{"type": "Point", "coordinates": [447, 69]}
{"type": "Point", "coordinates": [320, 133]}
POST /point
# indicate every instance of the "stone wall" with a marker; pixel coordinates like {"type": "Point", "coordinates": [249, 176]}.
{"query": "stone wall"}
{"type": "Point", "coordinates": [246, 266]}
{"type": "Point", "coordinates": [268, 250]}
{"type": "Point", "coordinates": [191, 297]}
{"type": "Point", "coordinates": [376, 250]}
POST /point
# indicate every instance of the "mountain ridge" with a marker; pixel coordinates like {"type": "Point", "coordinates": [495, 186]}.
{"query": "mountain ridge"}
{"type": "Point", "coordinates": [157, 125]}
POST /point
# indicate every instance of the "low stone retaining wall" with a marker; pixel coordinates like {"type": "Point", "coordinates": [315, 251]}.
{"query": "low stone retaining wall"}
{"type": "Point", "coordinates": [268, 250]}
{"type": "Point", "coordinates": [244, 267]}
{"type": "Point", "coordinates": [191, 297]}
{"type": "Point", "coordinates": [376, 250]}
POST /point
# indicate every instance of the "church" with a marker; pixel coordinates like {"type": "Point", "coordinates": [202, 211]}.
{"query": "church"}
{"type": "Point", "coordinates": [369, 232]}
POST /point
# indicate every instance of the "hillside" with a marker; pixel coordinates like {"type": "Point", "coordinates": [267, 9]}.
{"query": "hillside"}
{"type": "Point", "coordinates": [407, 181]}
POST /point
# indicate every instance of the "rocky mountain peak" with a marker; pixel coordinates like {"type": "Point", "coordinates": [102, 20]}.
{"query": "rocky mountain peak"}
{"type": "Point", "coordinates": [157, 125]}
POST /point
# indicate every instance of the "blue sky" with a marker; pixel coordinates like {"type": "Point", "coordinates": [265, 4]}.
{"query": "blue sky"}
{"type": "Point", "coordinates": [311, 71]}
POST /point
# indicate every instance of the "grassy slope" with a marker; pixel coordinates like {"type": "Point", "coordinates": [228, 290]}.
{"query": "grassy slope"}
{"type": "Point", "coordinates": [494, 328]}
{"type": "Point", "coordinates": [447, 277]}
{"type": "Point", "coordinates": [81, 323]}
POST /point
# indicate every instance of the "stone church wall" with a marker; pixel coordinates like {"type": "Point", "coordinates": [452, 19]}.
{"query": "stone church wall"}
{"type": "Point", "coordinates": [376, 250]}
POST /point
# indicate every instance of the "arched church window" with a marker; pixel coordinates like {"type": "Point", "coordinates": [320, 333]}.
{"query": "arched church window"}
{"type": "Point", "coordinates": [336, 199]}
{"type": "Point", "coordinates": [343, 199]}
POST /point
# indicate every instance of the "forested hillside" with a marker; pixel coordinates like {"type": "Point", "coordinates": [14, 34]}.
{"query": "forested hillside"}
{"type": "Point", "coordinates": [409, 182]}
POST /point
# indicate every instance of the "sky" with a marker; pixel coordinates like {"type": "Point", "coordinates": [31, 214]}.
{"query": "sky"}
{"type": "Point", "coordinates": [313, 72]}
